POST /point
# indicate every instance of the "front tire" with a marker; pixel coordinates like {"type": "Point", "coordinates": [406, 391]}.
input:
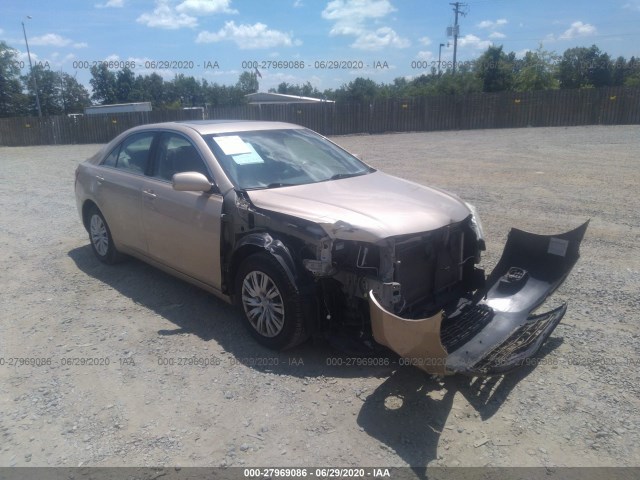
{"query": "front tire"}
{"type": "Point", "coordinates": [101, 239]}
{"type": "Point", "coordinates": [271, 305]}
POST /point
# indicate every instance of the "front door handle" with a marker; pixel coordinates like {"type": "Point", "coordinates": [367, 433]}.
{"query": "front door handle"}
{"type": "Point", "coordinates": [149, 193]}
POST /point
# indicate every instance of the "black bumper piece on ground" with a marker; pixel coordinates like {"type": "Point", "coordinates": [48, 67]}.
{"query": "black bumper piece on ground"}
{"type": "Point", "coordinates": [530, 269]}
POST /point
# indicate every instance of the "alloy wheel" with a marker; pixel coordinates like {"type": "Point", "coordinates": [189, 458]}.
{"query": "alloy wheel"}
{"type": "Point", "coordinates": [263, 303]}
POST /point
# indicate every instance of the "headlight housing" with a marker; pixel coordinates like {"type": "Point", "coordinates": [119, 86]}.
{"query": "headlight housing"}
{"type": "Point", "coordinates": [476, 226]}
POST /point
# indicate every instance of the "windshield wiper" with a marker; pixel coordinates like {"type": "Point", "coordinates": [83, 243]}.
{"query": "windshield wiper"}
{"type": "Point", "coordinates": [338, 176]}
{"type": "Point", "coordinates": [280, 184]}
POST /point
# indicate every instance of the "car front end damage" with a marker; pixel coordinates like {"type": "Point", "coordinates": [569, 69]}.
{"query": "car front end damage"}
{"type": "Point", "coordinates": [429, 303]}
{"type": "Point", "coordinates": [495, 330]}
{"type": "Point", "coordinates": [420, 294]}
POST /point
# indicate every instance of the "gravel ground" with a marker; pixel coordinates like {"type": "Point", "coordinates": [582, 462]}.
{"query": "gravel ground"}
{"type": "Point", "coordinates": [145, 404]}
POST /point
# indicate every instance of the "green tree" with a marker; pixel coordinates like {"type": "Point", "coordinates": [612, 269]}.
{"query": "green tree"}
{"type": "Point", "coordinates": [125, 83]}
{"type": "Point", "coordinates": [217, 95]}
{"type": "Point", "coordinates": [283, 88]}
{"type": "Point", "coordinates": [632, 73]}
{"type": "Point", "coordinates": [359, 90]}
{"type": "Point", "coordinates": [537, 71]}
{"type": "Point", "coordinates": [59, 92]}
{"type": "Point", "coordinates": [248, 83]}
{"type": "Point", "coordinates": [49, 91]}
{"type": "Point", "coordinates": [187, 91]}
{"type": "Point", "coordinates": [151, 89]}
{"type": "Point", "coordinates": [74, 95]}
{"type": "Point", "coordinates": [421, 86]}
{"type": "Point", "coordinates": [583, 67]}
{"type": "Point", "coordinates": [495, 69]}
{"type": "Point", "coordinates": [12, 100]}
{"type": "Point", "coordinates": [304, 90]}
{"type": "Point", "coordinates": [399, 87]}
{"type": "Point", "coordinates": [619, 72]}
{"type": "Point", "coordinates": [103, 83]}
{"type": "Point", "coordinates": [362, 90]}
{"type": "Point", "coordinates": [464, 82]}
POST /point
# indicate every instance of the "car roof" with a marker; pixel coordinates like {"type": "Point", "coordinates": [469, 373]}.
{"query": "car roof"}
{"type": "Point", "coordinates": [206, 127]}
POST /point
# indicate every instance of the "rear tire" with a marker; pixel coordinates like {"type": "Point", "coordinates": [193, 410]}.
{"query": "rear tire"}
{"type": "Point", "coordinates": [101, 239]}
{"type": "Point", "coordinates": [271, 306]}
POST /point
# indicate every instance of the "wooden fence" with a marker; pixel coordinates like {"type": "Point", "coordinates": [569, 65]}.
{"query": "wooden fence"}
{"type": "Point", "coordinates": [605, 106]}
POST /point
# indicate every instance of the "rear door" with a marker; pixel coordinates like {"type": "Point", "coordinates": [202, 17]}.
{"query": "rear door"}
{"type": "Point", "coordinates": [117, 185]}
{"type": "Point", "coordinates": [182, 228]}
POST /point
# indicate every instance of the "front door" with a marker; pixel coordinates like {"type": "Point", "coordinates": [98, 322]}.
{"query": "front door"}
{"type": "Point", "coordinates": [182, 228]}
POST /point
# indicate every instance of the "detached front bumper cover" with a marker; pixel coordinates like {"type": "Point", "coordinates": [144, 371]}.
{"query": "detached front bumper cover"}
{"type": "Point", "coordinates": [497, 332]}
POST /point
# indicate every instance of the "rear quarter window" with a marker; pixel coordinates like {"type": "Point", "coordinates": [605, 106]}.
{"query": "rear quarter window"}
{"type": "Point", "coordinates": [112, 158]}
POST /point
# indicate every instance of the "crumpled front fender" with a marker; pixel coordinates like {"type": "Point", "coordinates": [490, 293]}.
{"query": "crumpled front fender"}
{"type": "Point", "coordinates": [496, 332]}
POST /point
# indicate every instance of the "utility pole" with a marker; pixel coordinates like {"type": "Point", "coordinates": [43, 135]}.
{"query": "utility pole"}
{"type": "Point", "coordinates": [35, 83]}
{"type": "Point", "coordinates": [64, 105]}
{"type": "Point", "coordinates": [439, 56]}
{"type": "Point", "coordinates": [456, 30]}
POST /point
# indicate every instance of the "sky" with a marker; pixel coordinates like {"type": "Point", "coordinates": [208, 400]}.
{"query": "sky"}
{"type": "Point", "coordinates": [325, 42]}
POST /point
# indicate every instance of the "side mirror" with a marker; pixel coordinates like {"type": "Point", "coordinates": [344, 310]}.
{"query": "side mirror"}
{"type": "Point", "coordinates": [191, 182]}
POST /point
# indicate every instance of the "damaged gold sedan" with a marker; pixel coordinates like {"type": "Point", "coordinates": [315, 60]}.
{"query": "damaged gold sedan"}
{"type": "Point", "coordinates": [309, 240]}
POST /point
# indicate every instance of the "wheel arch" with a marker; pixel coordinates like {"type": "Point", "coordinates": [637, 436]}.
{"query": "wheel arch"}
{"type": "Point", "coordinates": [86, 208]}
{"type": "Point", "coordinates": [262, 242]}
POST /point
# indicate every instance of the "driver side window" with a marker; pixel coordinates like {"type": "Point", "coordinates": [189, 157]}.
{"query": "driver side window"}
{"type": "Point", "coordinates": [176, 154]}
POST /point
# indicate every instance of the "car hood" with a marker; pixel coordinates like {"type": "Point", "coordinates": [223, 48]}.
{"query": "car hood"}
{"type": "Point", "coordinates": [367, 207]}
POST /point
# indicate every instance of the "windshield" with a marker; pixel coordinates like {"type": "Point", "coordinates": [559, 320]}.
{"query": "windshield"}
{"type": "Point", "coordinates": [279, 158]}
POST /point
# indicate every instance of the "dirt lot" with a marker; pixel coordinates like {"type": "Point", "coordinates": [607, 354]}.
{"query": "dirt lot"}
{"type": "Point", "coordinates": [145, 403]}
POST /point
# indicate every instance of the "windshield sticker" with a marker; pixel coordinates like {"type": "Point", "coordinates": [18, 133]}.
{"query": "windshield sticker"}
{"type": "Point", "coordinates": [232, 145]}
{"type": "Point", "coordinates": [248, 158]}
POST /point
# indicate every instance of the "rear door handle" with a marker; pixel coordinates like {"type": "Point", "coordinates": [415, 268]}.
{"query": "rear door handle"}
{"type": "Point", "coordinates": [149, 193]}
{"type": "Point", "coordinates": [99, 179]}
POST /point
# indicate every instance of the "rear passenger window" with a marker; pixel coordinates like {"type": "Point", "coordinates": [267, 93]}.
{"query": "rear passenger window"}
{"type": "Point", "coordinates": [134, 153]}
{"type": "Point", "coordinates": [176, 154]}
